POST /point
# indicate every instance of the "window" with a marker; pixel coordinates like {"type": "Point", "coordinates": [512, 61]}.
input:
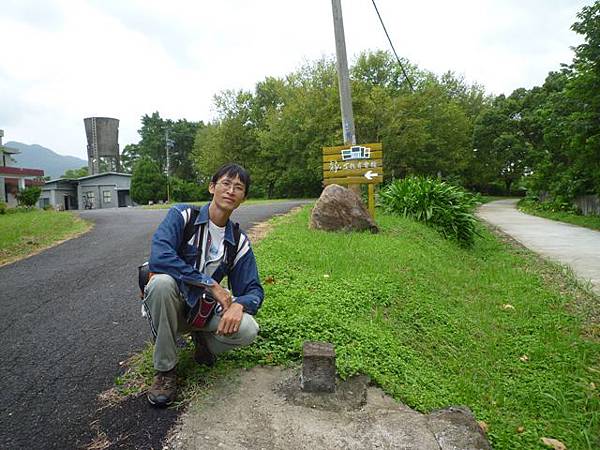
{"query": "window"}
{"type": "Point", "coordinates": [89, 200]}
{"type": "Point", "coordinates": [106, 196]}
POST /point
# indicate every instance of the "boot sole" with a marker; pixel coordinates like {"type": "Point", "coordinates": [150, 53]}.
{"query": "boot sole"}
{"type": "Point", "coordinates": [158, 404]}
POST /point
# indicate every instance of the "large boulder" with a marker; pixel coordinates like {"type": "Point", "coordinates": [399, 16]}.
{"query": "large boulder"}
{"type": "Point", "coordinates": [340, 209]}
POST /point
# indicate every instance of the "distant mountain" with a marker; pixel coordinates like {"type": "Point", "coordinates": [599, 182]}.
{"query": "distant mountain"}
{"type": "Point", "coordinates": [38, 157]}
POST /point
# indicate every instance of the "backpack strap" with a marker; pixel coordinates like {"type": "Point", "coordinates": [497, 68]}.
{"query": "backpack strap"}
{"type": "Point", "coordinates": [231, 250]}
{"type": "Point", "coordinates": [190, 230]}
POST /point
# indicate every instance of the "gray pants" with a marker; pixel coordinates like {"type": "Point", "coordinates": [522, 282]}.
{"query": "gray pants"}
{"type": "Point", "coordinates": [165, 306]}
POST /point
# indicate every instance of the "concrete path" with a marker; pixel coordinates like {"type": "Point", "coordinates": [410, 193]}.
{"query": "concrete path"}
{"type": "Point", "coordinates": [568, 244]}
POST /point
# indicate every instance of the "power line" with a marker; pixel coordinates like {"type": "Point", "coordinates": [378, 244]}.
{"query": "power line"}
{"type": "Point", "coordinates": [393, 49]}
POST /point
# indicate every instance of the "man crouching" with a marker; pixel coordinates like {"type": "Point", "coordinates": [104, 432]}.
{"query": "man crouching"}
{"type": "Point", "coordinates": [188, 260]}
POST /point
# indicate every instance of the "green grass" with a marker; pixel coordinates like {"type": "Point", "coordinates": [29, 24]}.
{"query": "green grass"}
{"type": "Point", "coordinates": [592, 222]}
{"type": "Point", "coordinates": [252, 201]}
{"type": "Point", "coordinates": [26, 233]}
{"type": "Point", "coordinates": [428, 322]}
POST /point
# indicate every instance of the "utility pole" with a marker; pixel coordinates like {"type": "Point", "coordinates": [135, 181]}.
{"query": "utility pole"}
{"type": "Point", "coordinates": [343, 77]}
{"type": "Point", "coordinates": [168, 144]}
{"type": "Point", "coordinates": [343, 80]}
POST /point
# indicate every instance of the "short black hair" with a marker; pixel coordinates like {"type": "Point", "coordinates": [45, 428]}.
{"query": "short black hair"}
{"type": "Point", "coordinates": [232, 170]}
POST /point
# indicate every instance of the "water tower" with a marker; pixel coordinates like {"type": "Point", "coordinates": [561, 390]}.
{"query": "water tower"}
{"type": "Point", "coordinates": [103, 144]}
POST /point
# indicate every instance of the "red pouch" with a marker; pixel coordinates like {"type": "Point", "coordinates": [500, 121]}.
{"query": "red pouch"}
{"type": "Point", "coordinates": [199, 315]}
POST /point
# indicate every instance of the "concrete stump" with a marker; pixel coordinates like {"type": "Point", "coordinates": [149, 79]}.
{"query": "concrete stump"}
{"type": "Point", "coordinates": [318, 367]}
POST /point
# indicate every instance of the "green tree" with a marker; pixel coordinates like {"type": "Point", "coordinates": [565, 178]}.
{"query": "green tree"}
{"type": "Point", "coordinates": [147, 182]}
{"type": "Point", "coordinates": [584, 89]}
{"type": "Point", "coordinates": [182, 134]}
{"type": "Point", "coordinates": [153, 144]}
{"type": "Point", "coordinates": [29, 196]}
{"type": "Point", "coordinates": [186, 191]}
{"type": "Point", "coordinates": [75, 173]}
{"type": "Point", "coordinates": [230, 139]}
{"type": "Point", "coordinates": [502, 142]}
{"type": "Point", "coordinates": [561, 120]}
{"type": "Point", "coordinates": [153, 135]}
{"type": "Point", "coordinates": [306, 118]}
{"type": "Point", "coordinates": [129, 156]}
{"type": "Point", "coordinates": [278, 129]}
{"type": "Point", "coordinates": [427, 131]}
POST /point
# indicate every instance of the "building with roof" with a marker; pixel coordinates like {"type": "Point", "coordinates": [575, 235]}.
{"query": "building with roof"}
{"type": "Point", "coordinates": [14, 179]}
{"type": "Point", "coordinates": [103, 190]}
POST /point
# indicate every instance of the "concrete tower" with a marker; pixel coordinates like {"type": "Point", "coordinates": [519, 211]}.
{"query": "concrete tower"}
{"type": "Point", "coordinates": [103, 144]}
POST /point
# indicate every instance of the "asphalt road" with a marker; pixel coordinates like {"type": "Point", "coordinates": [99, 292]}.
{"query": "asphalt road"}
{"type": "Point", "coordinates": [69, 316]}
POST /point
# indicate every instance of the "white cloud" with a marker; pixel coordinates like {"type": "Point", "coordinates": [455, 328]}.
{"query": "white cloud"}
{"type": "Point", "coordinates": [70, 59]}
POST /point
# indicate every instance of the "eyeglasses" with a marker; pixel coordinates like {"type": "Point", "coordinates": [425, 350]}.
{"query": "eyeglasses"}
{"type": "Point", "coordinates": [238, 188]}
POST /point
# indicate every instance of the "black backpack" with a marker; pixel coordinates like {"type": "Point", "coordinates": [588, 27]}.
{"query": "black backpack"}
{"type": "Point", "coordinates": [188, 233]}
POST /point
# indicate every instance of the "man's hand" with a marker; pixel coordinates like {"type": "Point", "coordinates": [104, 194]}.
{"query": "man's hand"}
{"type": "Point", "coordinates": [230, 320]}
{"type": "Point", "coordinates": [222, 295]}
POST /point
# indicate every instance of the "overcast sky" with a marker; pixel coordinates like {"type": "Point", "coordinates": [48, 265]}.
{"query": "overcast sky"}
{"type": "Point", "coordinates": [63, 60]}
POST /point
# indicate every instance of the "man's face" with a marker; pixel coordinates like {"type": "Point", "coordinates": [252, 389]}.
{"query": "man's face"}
{"type": "Point", "coordinates": [228, 193]}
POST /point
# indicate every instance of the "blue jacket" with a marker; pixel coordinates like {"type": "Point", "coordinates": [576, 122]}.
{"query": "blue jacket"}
{"type": "Point", "coordinates": [169, 255]}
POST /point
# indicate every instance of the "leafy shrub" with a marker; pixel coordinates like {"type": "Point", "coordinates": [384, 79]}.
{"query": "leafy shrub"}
{"type": "Point", "coordinates": [147, 182]}
{"type": "Point", "coordinates": [29, 196]}
{"type": "Point", "coordinates": [557, 204]}
{"type": "Point", "coordinates": [445, 207]}
{"type": "Point", "coordinates": [3, 208]}
{"type": "Point", "coordinates": [186, 191]}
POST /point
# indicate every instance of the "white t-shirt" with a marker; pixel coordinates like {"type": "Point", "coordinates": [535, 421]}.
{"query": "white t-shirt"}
{"type": "Point", "coordinates": [215, 248]}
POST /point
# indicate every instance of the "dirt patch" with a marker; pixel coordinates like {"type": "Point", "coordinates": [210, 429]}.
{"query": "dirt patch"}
{"type": "Point", "coordinates": [263, 408]}
{"type": "Point", "coordinates": [259, 231]}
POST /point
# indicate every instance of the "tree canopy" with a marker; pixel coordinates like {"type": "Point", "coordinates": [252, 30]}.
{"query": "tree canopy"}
{"type": "Point", "coordinates": [147, 182]}
{"type": "Point", "coordinates": [278, 130]}
{"type": "Point", "coordinates": [75, 173]}
{"type": "Point", "coordinates": [156, 134]}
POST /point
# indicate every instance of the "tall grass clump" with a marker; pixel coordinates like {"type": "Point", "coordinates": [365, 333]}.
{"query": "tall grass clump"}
{"type": "Point", "coordinates": [443, 206]}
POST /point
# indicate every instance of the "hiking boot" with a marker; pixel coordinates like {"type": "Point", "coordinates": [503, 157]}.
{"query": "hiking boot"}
{"type": "Point", "coordinates": [202, 355]}
{"type": "Point", "coordinates": [164, 389]}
